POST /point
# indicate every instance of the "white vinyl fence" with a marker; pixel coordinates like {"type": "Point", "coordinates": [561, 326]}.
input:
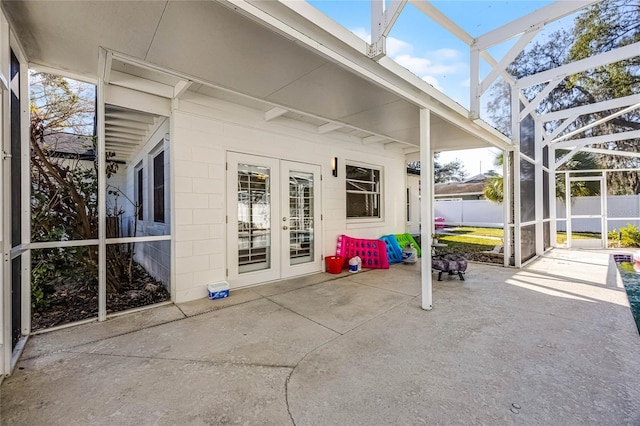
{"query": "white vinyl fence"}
{"type": "Point", "coordinates": [470, 212]}
{"type": "Point", "coordinates": [621, 210]}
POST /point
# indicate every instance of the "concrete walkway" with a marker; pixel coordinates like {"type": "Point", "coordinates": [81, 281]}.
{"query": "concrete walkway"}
{"type": "Point", "coordinates": [552, 344]}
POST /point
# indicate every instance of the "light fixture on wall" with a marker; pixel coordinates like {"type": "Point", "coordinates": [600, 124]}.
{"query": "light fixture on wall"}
{"type": "Point", "coordinates": [334, 166]}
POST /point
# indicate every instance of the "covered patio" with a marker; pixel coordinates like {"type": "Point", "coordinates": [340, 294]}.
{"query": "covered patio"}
{"type": "Point", "coordinates": [552, 343]}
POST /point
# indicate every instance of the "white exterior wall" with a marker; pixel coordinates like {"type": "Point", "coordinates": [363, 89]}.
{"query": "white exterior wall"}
{"type": "Point", "coordinates": [154, 256]}
{"type": "Point", "coordinates": [205, 129]}
{"type": "Point", "coordinates": [413, 186]}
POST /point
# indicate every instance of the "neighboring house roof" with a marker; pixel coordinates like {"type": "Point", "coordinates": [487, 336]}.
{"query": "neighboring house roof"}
{"type": "Point", "coordinates": [69, 145]}
{"type": "Point", "coordinates": [471, 186]}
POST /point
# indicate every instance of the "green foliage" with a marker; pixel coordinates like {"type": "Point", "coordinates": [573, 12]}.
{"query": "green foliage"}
{"type": "Point", "coordinates": [448, 172]}
{"type": "Point", "coordinates": [442, 173]}
{"type": "Point", "coordinates": [64, 192]}
{"type": "Point", "coordinates": [630, 236]}
{"type": "Point", "coordinates": [602, 27]}
{"type": "Point", "coordinates": [494, 189]}
{"type": "Point", "coordinates": [613, 236]}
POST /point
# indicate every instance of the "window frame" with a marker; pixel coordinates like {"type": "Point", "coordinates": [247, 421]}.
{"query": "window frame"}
{"type": "Point", "coordinates": [379, 192]}
{"type": "Point", "coordinates": [139, 189]}
{"type": "Point", "coordinates": [157, 189]}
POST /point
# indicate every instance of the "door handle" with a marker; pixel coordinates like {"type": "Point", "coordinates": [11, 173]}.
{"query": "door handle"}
{"type": "Point", "coordinates": [284, 228]}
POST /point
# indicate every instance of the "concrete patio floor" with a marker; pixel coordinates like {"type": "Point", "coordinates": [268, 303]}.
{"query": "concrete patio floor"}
{"type": "Point", "coordinates": [552, 344]}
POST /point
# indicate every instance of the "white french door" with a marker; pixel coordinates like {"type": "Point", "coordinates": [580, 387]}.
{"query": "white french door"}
{"type": "Point", "coordinates": [273, 219]}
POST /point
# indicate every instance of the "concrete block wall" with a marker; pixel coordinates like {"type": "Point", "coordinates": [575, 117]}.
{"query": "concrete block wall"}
{"type": "Point", "coordinates": [205, 129]}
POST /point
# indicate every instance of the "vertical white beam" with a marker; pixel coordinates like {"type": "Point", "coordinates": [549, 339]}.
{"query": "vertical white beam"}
{"type": "Point", "coordinates": [377, 20]}
{"type": "Point", "coordinates": [175, 105]}
{"type": "Point", "coordinates": [515, 137]}
{"type": "Point", "coordinates": [552, 196]}
{"type": "Point", "coordinates": [5, 206]}
{"type": "Point", "coordinates": [506, 205]}
{"type": "Point", "coordinates": [474, 79]}
{"type": "Point", "coordinates": [426, 207]}
{"type": "Point", "coordinates": [25, 179]}
{"type": "Point", "coordinates": [102, 193]}
{"type": "Point", "coordinates": [603, 200]}
{"type": "Point", "coordinates": [567, 202]}
{"type": "Point", "coordinates": [539, 188]}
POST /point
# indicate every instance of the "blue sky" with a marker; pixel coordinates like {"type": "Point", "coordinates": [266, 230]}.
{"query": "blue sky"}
{"type": "Point", "coordinates": [432, 53]}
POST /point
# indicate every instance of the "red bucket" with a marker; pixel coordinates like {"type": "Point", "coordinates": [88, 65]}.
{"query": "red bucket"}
{"type": "Point", "coordinates": [334, 264]}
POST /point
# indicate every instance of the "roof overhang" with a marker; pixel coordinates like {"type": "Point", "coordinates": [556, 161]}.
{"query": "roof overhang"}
{"type": "Point", "coordinates": [284, 58]}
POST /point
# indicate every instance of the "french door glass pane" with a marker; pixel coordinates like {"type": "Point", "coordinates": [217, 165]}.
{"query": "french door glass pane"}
{"type": "Point", "coordinates": [254, 218]}
{"type": "Point", "coordinates": [301, 220]}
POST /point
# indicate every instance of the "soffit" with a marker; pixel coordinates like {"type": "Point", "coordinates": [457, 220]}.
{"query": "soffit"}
{"type": "Point", "coordinates": [216, 46]}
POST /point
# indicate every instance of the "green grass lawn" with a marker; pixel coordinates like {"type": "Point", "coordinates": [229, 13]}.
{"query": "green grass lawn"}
{"type": "Point", "coordinates": [471, 239]}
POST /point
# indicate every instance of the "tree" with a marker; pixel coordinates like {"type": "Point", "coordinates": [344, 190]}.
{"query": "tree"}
{"type": "Point", "coordinates": [64, 177]}
{"type": "Point", "coordinates": [600, 28]}
{"type": "Point", "coordinates": [494, 187]}
{"type": "Point", "coordinates": [452, 171]}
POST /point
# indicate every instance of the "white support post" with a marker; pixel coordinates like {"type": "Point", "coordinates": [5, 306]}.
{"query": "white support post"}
{"type": "Point", "coordinates": [539, 189]}
{"type": "Point", "coordinates": [474, 79]}
{"type": "Point", "coordinates": [552, 197]}
{"type": "Point", "coordinates": [377, 48]}
{"type": "Point", "coordinates": [102, 194]}
{"type": "Point", "coordinates": [5, 207]}
{"type": "Point", "coordinates": [25, 179]}
{"type": "Point", "coordinates": [515, 137]}
{"type": "Point", "coordinates": [382, 20]}
{"type": "Point", "coordinates": [605, 216]}
{"type": "Point", "coordinates": [426, 206]}
{"type": "Point", "coordinates": [567, 206]}
{"type": "Point", "coordinates": [506, 205]}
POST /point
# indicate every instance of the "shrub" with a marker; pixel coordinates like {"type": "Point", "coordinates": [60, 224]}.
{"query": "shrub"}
{"type": "Point", "coordinates": [630, 236]}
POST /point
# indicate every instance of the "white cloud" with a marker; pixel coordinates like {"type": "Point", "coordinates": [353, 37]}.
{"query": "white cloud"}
{"type": "Point", "coordinates": [446, 54]}
{"type": "Point", "coordinates": [396, 47]}
{"type": "Point", "coordinates": [441, 65]}
{"type": "Point", "coordinates": [414, 64]}
{"type": "Point", "coordinates": [362, 33]}
{"type": "Point", "coordinates": [466, 83]}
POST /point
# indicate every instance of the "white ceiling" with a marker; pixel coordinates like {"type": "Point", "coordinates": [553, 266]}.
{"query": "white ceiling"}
{"type": "Point", "coordinates": [213, 44]}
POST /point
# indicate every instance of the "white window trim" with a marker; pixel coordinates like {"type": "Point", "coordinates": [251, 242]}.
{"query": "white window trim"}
{"type": "Point", "coordinates": [381, 208]}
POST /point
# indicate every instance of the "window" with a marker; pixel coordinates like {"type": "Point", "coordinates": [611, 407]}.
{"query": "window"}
{"type": "Point", "coordinates": [363, 192]}
{"type": "Point", "coordinates": [158, 188]}
{"type": "Point", "coordinates": [408, 205]}
{"type": "Point", "coordinates": [140, 192]}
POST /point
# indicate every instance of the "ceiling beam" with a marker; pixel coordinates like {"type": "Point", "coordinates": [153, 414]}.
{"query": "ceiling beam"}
{"type": "Point", "coordinates": [130, 116]}
{"type": "Point", "coordinates": [127, 124]}
{"type": "Point", "coordinates": [329, 127]}
{"type": "Point", "coordinates": [181, 87]}
{"type": "Point", "coordinates": [274, 113]}
{"type": "Point", "coordinates": [141, 84]}
{"type": "Point", "coordinates": [373, 139]}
